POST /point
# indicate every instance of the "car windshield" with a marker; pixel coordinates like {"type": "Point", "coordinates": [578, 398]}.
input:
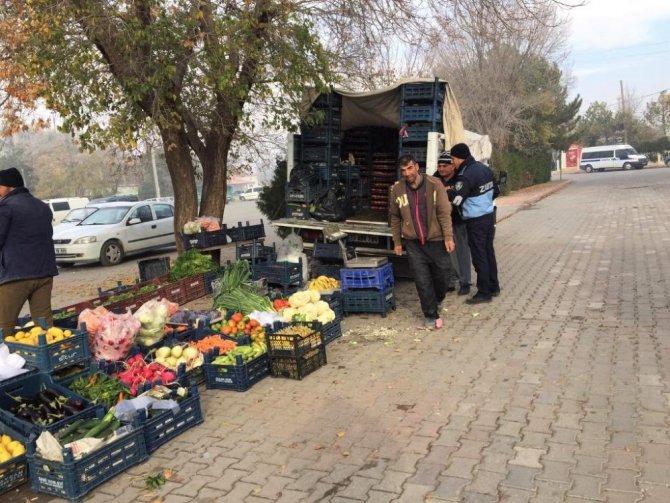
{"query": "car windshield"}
{"type": "Point", "coordinates": [106, 216]}
{"type": "Point", "coordinates": [78, 214]}
{"type": "Point", "coordinates": [630, 151]}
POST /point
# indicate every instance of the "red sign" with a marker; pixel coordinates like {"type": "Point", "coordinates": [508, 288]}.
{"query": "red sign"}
{"type": "Point", "coordinates": [573, 156]}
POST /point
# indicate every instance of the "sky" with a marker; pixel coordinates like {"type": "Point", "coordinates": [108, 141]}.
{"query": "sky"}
{"type": "Point", "coordinates": [619, 40]}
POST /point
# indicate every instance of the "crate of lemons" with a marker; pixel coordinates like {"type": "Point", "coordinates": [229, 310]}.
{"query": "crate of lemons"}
{"type": "Point", "coordinates": [30, 335]}
{"type": "Point", "coordinates": [10, 449]}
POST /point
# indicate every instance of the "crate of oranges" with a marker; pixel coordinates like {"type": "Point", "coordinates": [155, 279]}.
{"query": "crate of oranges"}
{"type": "Point", "coordinates": [49, 349]}
{"type": "Point", "coordinates": [13, 463]}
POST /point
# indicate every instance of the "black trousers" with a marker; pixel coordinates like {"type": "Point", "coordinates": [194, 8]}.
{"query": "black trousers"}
{"type": "Point", "coordinates": [481, 232]}
{"type": "Point", "coordinates": [431, 267]}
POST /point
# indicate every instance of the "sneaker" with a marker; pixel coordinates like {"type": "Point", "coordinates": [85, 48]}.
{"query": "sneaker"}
{"type": "Point", "coordinates": [464, 290]}
{"type": "Point", "coordinates": [496, 292]}
{"type": "Point", "coordinates": [429, 323]}
{"type": "Point", "coordinates": [479, 298]}
{"type": "Point", "coordinates": [451, 289]}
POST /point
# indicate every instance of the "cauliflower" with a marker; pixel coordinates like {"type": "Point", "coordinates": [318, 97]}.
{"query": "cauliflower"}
{"type": "Point", "coordinates": [315, 295]}
{"type": "Point", "coordinates": [321, 307]}
{"type": "Point", "coordinates": [326, 317]}
{"type": "Point", "coordinates": [288, 313]}
{"type": "Point", "coordinates": [299, 299]}
{"type": "Point", "coordinates": [309, 311]}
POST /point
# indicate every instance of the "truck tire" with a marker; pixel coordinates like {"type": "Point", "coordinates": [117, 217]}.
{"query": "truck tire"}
{"type": "Point", "coordinates": [588, 168]}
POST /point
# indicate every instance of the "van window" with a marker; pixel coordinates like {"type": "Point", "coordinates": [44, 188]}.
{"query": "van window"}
{"type": "Point", "coordinates": [60, 206]}
{"type": "Point", "coordinates": [163, 211]}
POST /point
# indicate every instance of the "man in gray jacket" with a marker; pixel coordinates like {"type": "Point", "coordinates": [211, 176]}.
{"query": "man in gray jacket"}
{"type": "Point", "coordinates": [27, 257]}
{"type": "Point", "coordinates": [420, 215]}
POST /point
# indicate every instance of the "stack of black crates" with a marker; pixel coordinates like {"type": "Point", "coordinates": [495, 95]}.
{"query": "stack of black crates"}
{"type": "Point", "coordinates": [319, 148]}
{"type": "Point", "coordinates": [420, 113]}
{"type": "Point", "coordinates": [297, 351]}
{"type": "Point", "coordinates": [368, 290]}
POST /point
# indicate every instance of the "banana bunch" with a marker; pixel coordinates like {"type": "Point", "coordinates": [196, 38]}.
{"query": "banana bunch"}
{"type": "Point", "coordinates": [324, 283]}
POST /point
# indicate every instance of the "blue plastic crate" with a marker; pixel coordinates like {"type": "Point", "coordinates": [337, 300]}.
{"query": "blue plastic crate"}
{"type": "Point", "coordinates": [166, 426]}
{"type": "Point", "coordinates": [298, 367]}
{"type": "Point", "coordinates": [331, 331]}
{"type": "Point", "coordinates": [54, 356]}
{"type": "Point", "coordinates": [328, 100]}
{"type": "Point", "coordinates": [28, 387]}
{"type": "Point", "coordinates": [331, 251]}
{"type": "Point", "coordinates": [245, 232]}
{"type": "Point", "coordinates": [327, 153]}
{"type": "Point", "coordinates": [320, 134]}
{"type": "Point", "coordinates": [369, 301]}
{"type": "Point", "coordinates": [324, 116]}
{"type": "Point", "coordinates": [418, 132]}
{"type": "Point", "coordinates": [67, 375]}
{"type": "Point", "coordinates": [420, 113]}
{"type": "Point", "coordinates": [74, 478]}
{"type": "Point", "coordinates": [14, 472]}
{"type": "Point", "coordinates": [419, 154]}
{"type": "Point", "coordinates": [423, 92]}
{"type": "Point", "coordinates": [380, 278]}
{"type": "Point", "coordinates": [239, 377]}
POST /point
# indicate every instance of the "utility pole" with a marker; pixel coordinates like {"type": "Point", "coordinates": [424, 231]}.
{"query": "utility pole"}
{"type": "Point", "coordinates": [623, 114]}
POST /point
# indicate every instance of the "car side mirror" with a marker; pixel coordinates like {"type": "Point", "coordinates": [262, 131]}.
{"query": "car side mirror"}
{"type": "Point", "coordinates": [134, 221]}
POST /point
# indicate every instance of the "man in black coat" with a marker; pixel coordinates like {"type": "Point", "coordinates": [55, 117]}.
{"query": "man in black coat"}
{"type": "Point", "coordinates": [27, 258]}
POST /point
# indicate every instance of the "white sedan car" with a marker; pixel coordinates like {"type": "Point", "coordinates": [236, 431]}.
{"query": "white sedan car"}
{"type": "Point", "coordinates": [116, 230]}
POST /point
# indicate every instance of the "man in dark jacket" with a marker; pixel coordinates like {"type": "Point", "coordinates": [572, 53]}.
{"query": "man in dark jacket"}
{"type": "Point", "coordinates": [473, 195]}
{"type": "Point", "coordinates": [420, 216]}
{"type": "Point", "coordinates": [461, 261]}
{"type": "Point", "coordinates": [27, 258]}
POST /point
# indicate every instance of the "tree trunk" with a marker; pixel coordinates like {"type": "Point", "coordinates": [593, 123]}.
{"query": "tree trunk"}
{"type": "Point", "coordinates": [180, 166]}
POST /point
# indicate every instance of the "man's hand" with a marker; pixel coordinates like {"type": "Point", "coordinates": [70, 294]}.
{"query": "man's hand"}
{"type": "Point", "coordinates": [398, 249]}
{"type": "Point", "coordinates": [449, 245]}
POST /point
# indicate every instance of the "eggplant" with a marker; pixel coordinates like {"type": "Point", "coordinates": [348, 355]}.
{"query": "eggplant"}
{"type": "Point", "coordinates": [76, 403]}
{"type": "Point", "coordinates": [69, 410]}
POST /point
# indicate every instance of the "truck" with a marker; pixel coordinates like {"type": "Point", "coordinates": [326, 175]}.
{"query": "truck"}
{"type": "Point", "coordinates": [350, 142]}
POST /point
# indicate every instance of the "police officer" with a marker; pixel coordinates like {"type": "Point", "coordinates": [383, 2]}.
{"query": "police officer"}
{"type": "Point", "coordinates": [473, 195]}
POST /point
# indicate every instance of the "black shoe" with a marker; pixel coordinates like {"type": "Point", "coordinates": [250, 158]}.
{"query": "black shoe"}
{"type": "Point", "coordinates": [464, 290]}
{"type": "Point", "coordinates": [451, 289]}
{"type": "Point", "coordinates": [479, 298]}
{"type": "Point", "coordinates": [496, 292]}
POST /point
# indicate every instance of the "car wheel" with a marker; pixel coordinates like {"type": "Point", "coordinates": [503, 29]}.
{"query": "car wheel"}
{"type": "Point", "coordinates": [627, 166]}
{"type": "Point", "coordinates": [111, 253]}
{"type": "Point", "coordinates": [588, 168]}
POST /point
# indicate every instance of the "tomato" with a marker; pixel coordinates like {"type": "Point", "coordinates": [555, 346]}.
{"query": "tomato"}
{"type": "Point", "coordinates": [232, 323]}
{"type": "Point", "coordinates": [253, 323]}
{"type": "Point", "coordinates": [226, 330]}
{"type": "Point", "coordinates": [237, 317]}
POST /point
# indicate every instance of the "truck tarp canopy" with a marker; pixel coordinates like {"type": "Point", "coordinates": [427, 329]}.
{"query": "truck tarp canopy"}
{"type": "Point", "coordinates": [382, 108]}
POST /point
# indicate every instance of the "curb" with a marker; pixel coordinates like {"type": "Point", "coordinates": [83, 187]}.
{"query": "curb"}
{"type": "Point", "coordinates": [535, 199]}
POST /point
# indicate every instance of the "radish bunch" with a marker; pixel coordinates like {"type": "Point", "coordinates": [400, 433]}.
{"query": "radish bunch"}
{"type": "Point", "coordinates": [138, 372]}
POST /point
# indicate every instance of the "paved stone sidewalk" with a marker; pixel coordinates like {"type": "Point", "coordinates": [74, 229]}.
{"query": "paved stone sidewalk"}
{"type": "Point", "coordinates": [555, 392]}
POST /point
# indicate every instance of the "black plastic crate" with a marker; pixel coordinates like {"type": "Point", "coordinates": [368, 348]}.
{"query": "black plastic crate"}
{"type": "Point", "coordinates": [297, 210]}
{"type": "Point", "coordinates": [419, 153]}
{"type": "Point", "coordinates": [13, 472]}
{"type": "Point", "coordinates": [164, 427]}
{"type": "Point", "coordinates": [331, 331]}
{"type": "Point", "coordinates": [331, 270]}
{"type": "Point", "coordinates": [74, 478]}
{"type": "Point", "coordinates": [255, 252]}
{"type": "Point", "coordinates": [292, 344]}
{"type": "Point", "coordinates": [368, 301]}
{"type": "Point", "coordinates": [209, 278]}
{"type": "Point", "coordinates": [239, 377]}
{"type": "Point", "coordinates": [298, 367]}
{"type": "Point", "coordinates": [418, 132]}
{"type": "Point", "coordinates": [67, 375]}
{"type": "Point", "coordinates": [153, 268]}
{"type": "Point", "coordinates": [325, 116]}
{"type": "Point", "coordinates": [204, 239]}
{"type": "Point", "coordinates": [332, 251]}
{"type": "Point", "coordinates": [423, 92]}
{"type": "Point", "coordinates": [304, 193]}
{"type": "Point", "coordinates": [246, 232]}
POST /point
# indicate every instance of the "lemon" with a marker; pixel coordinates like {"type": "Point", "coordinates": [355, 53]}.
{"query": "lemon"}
{"type": "Point", "coordinates": [5, 439]}
{"type": "Point", "coordinates": [19, 335]}
{"type": "Point", "coordinates": [16, 448]}
{"type": "Point", "coordinates": [67, 333]}
{"type": "Point", "coordinates": [11, 338]}
{"type": "Point", "coordinates": [4, 456]}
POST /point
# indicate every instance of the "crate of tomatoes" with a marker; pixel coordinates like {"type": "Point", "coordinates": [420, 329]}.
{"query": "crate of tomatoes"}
{"type": "Point", "coordinates": [240, 327]}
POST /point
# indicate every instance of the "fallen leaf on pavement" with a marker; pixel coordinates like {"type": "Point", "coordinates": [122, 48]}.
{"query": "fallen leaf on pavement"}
{"type": "Point", "coordinates": [340, 434]}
